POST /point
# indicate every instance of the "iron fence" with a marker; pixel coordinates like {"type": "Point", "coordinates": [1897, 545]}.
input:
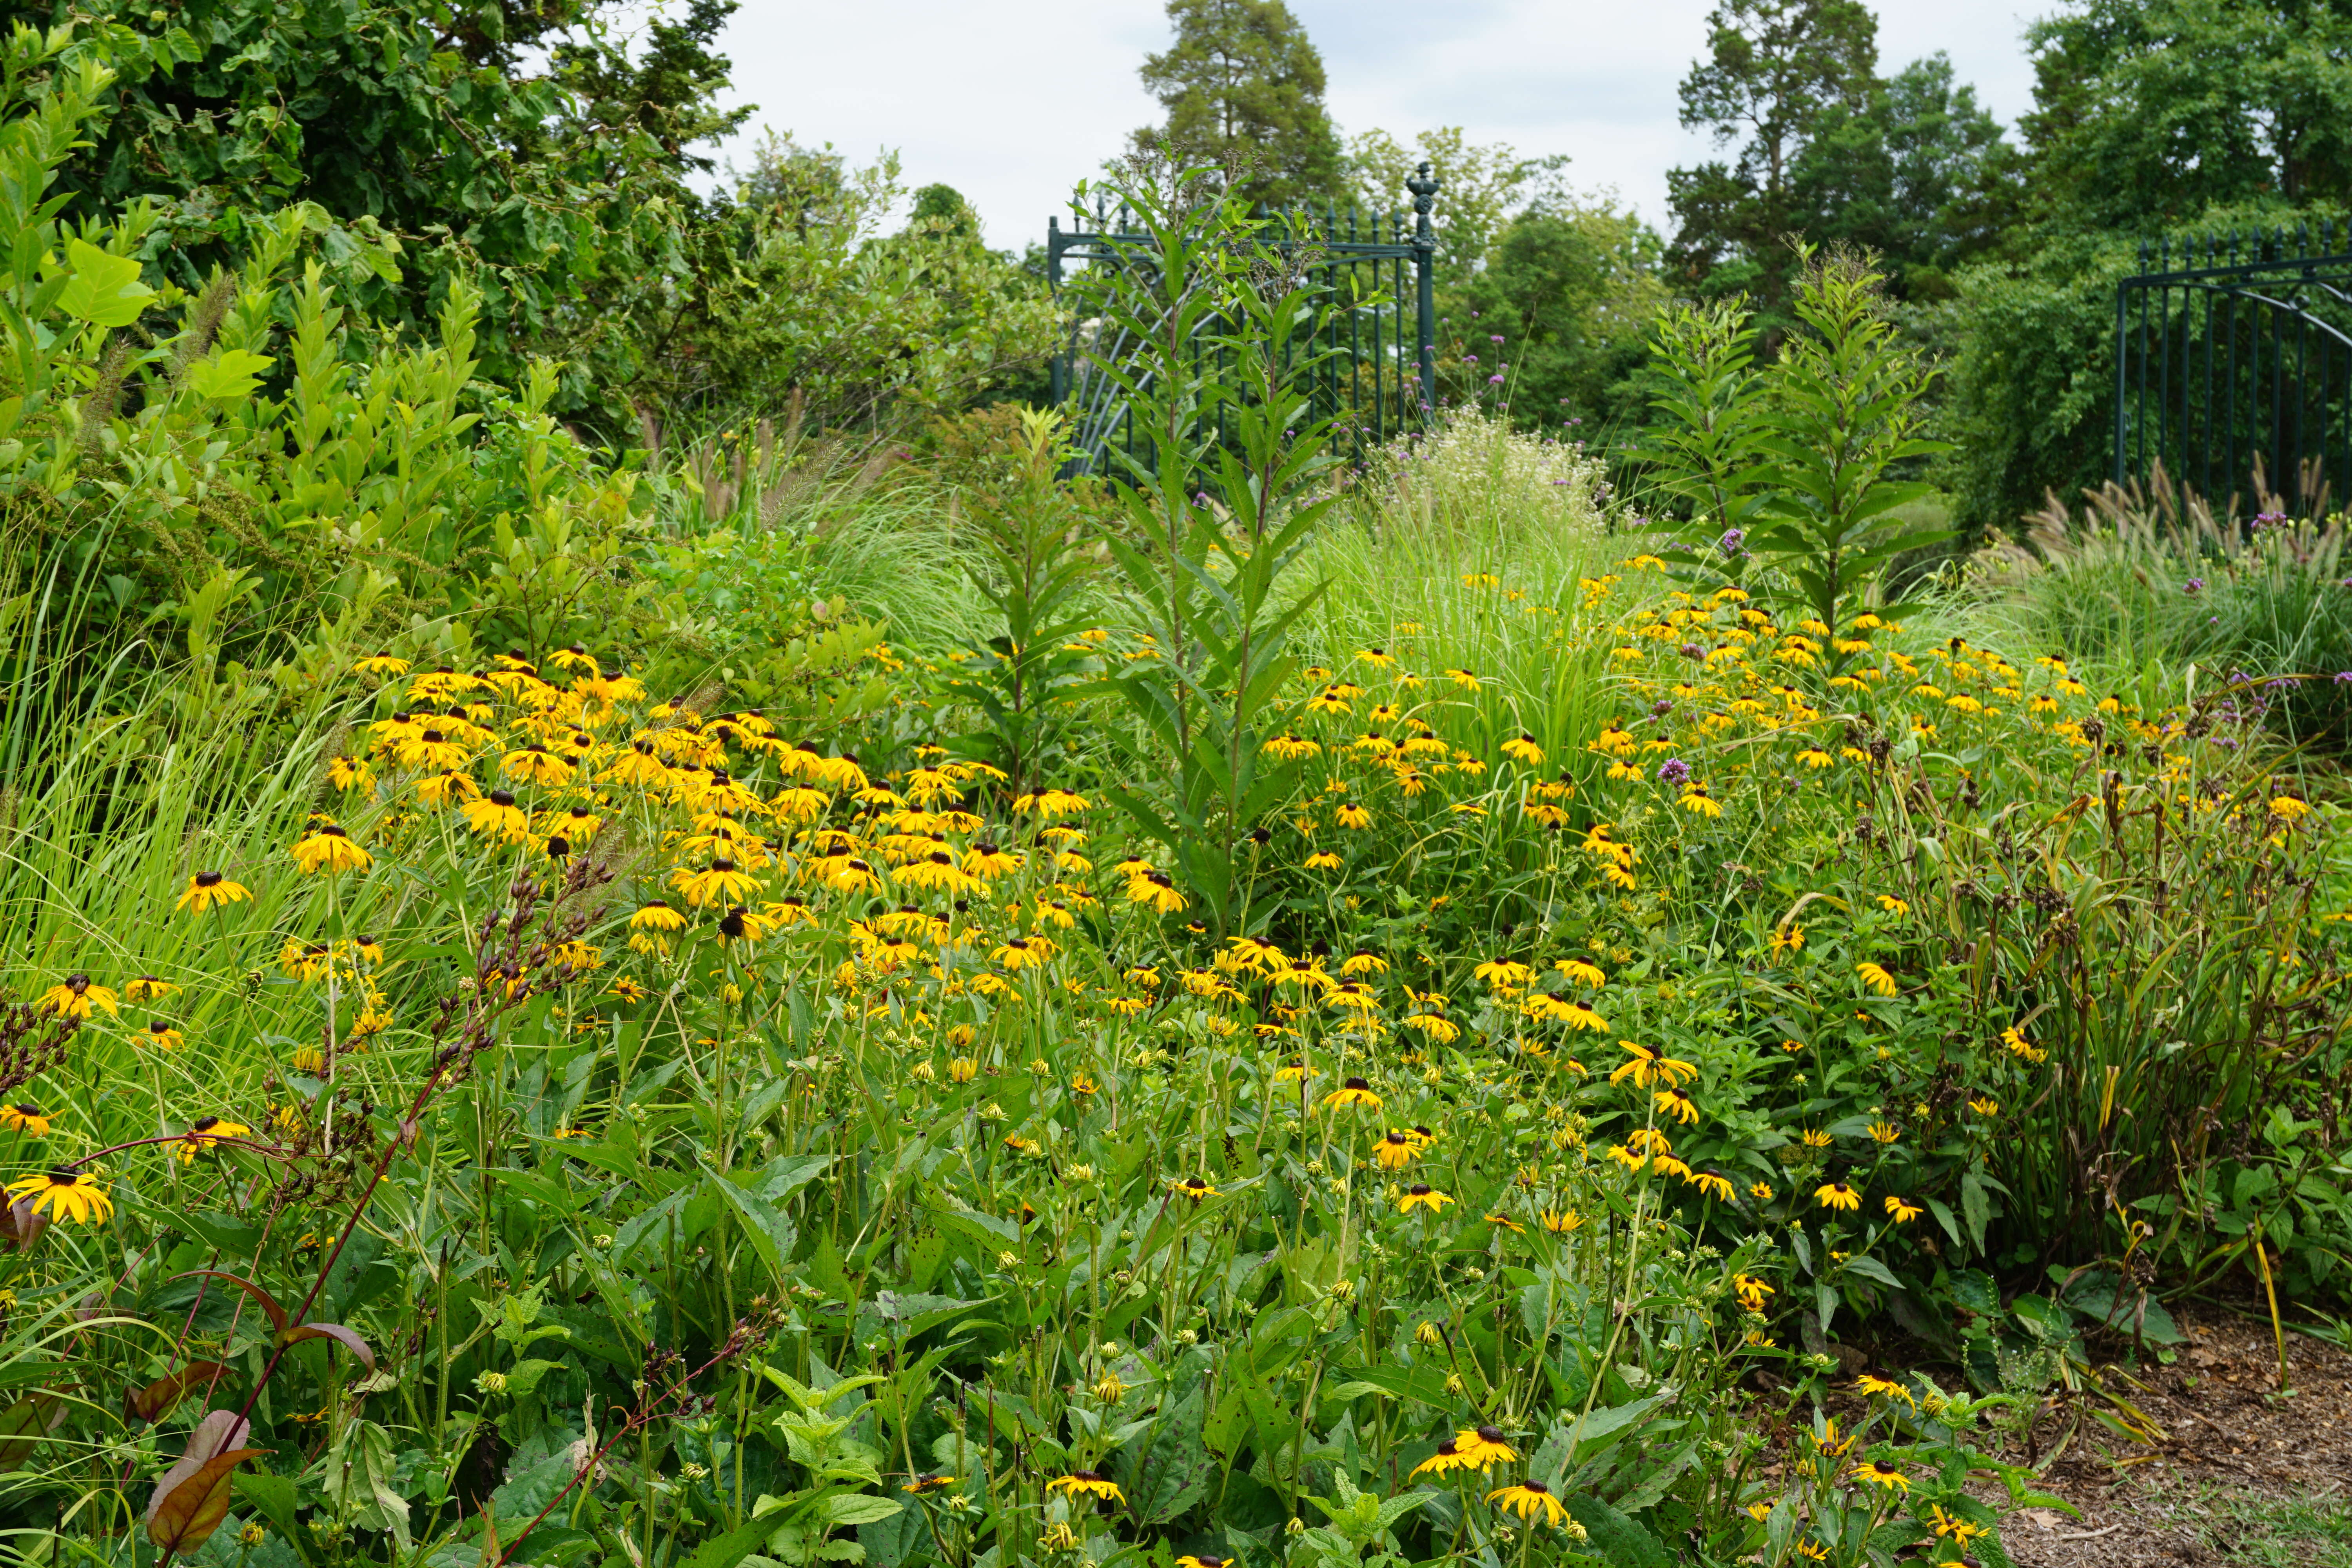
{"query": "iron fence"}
{"type": "Point", "coordinates": [1374, 270]}
{"type": "Point", "coordinates": [2233, 366]}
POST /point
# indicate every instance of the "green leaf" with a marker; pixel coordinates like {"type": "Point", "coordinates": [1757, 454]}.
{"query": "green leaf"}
{"type": "Point", "coordinates": [1616, 1539]}
{"type": "Point", "coordinates": [858, 1508]}
{"type": "Point", "coordinates": [229, 373]}
{"type": "Point", "coordinates": [104, 291]}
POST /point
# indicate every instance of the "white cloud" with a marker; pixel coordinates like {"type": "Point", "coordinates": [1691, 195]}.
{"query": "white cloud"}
{"type": "Point", "coordinates": [1012, 102]}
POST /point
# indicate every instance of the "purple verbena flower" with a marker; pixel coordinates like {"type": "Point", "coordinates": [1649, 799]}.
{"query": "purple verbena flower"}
{"type": "Point", "coordinates": [1674, 770]}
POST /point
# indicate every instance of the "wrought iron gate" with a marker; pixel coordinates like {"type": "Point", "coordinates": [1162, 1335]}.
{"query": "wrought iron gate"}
{"type": "Point", "coordinates": [2233, 366]}
{"type": "Point", "coordinates": [1383, 382]}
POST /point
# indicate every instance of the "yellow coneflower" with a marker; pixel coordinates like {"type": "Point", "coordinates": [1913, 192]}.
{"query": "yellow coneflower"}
{"type": "Point", "coordinates": [209, 890]}
{"type": "Point", "coordinates": [1088, 1483]}
{"type": "Point", "coordinates": [1355, 1091]}
{"type": "Point", "coordinates": [1528, 1499]}
{"type": "Point", "coordinates": [495, 815]}
{"type": "Point", "coordinates": [204, 1134]}
{"type": "Point", "coordinates": [1484, 1445]}
{"type": "Point", "coordinates": [66, 1197]}
{"type": "Point", "coordinates": [1714, 1184]}
{"type": "Point", "coordinates": [161, 1036]}
{"type": "Point", "coordinates": [1154, 891]}
{"type": "Point", "coordinates": [447, 788]}
{"type": "Point", "coordinates": [26, 1118]}
{"type": "Point", "coordinates": [719, 883]}
{"type": "Point", "coordinates": [1421, 1195]}
{"type": "Point", "coordinates": [739, 924]}
{"type": "Point", "coordinates": [1447, 1458]}
{"type": "Point", "coordinates": [1881, 1475]}
{"type": "Point", "coordinates": [1838, 1195]}
{"type": "Point", "coordinates": [328, 848]}
{"type": "Point", "coordinates": [76, 995]}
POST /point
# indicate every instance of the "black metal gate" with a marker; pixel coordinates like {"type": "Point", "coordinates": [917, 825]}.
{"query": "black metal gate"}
{"type": "Point", "coordinates": [1382, 380]}
{"type": "Point", "coordinates": [2233, 366]}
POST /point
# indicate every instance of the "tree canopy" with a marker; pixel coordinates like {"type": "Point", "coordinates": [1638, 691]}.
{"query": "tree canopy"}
{"type": "Point", "coordinates": [1243, 87]}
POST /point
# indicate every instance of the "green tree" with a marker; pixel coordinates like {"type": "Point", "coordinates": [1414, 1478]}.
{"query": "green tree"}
{"type": "Point", "coordinates": [1921, 176]}
{"type": "Point", "coordinates": [1571, 287]}
{"type": "Point", "coordinates": [1243, 87]}
{"type": "Point", "coordinates": [1773, 70]}
{"type": "Point", "coordinates": [526, 149]}
{"type": "Point", "coordinates": [1482, 187]}
{"type": "Point", "coordinates": [2147, 114]}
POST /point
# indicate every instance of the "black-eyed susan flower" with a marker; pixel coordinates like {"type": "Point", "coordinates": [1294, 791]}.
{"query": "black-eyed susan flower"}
{"type": "Point", "coordinates": [22, 1116]}
{"type": "Point", "coordinates": [720, 882]}
{"type": "Point", "coordinates": [1203, 1560]}
{"type": "Point", "coordinates": [1484, 1445]}
{"type": "Point", "coordinates": [1675, 1103]}
{"type": "Point", "coordinates": [1699, 803]}
{"type": "Point", "coordinates": [1875, 977]}
{"type": "Point", "coordinates": [1087, 1483]}
{"type": "Point", "coordinates": [1355, 1091]}
{"type": "Point", "coordinates": [1323, 861]}
{"type": "Point", "coordinates": [348, 772]}
{"type": "Point", "coordinates": [1838, 1195]}
{"type": "Point", "coordinates": [928, 1482]}
{"type": "Point", "coordinates": [1193, 1187]}
{"type": "Point", "coordinates": [148, 988]}
{"type": "Point", "coordinates": [70, 1197]}
{"type": "Point", "coordinates": [1647, 1064]}
{"type": "Point", "coordinates": [76, 994]}
{"type": "Point", "coordinates": [1879, 1474]}
{"type": "Point", "coordinates": [1760, 1191]}
{"type": "Point", "coordinates": [658, 915]}
{"type": "Point", "coordinates": [1449, 1456]}
{"type": "Point", "coordinates": [161, 1036]}
{"type": "Point", "coordinates": [1420, 1195]}
{"type": "Point", "coordinates": [741, 924]}
{"type": "Point", "coordinates": [495, 815]}
{"type": "Point", "coordinates": [447, 788]}
{"type": "Point", "coordinates": [1753, 1293]}
{"type": "Point", "coordinates": [1714, 1184]}
{"type": "Point", "coordinates": [1352, 816]}
{"type": "Point", "coordinates": [1154, 891]}
{"type": "Point", "coordinates": [1903, 1212]}
{"type": "Point", "coordinates": [210, 891]}
{"type": "Point", "coordinates": [205, 1132]}
{"type": "Point", "coordinates": [1562, 1222]}
{"type": "Point", "coordinates": [1523, 749]}
{"type": "Point", "coordinates": [327, 848]}
{"type": "Point", "coordinates": [1529, 1500]}
{"type": "Point", "coordinates": [1395, 1151]}
{"type": "Point", "coordinates": [381, 664]}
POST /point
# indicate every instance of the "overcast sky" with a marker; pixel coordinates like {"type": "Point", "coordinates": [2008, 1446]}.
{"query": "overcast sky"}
{"type": "Point", "coordinates": [1012, 101]}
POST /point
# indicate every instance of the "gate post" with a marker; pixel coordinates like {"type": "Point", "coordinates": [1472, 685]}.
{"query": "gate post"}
{"type": "Point", "coordinates": [1424, 187]}
{"type": "Point", "coordinates": [1060, 368]}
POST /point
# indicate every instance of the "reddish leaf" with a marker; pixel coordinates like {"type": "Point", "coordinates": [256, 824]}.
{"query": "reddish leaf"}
{"type": "Point", "coordinates": [19, 1226]}
{"type": "Point", "coordinates": [156, 1400]}
{"type": "Point", "coordinates": [24, 1424]}
{"type": "Point", "coordinates": [192, 1496]}
{"type": "Point", "coordinates": [268, 1304]}
{"type": "Point", "coordinates": [335, 1332]}
{"type": "Point", "coordinates": [185, 1516]}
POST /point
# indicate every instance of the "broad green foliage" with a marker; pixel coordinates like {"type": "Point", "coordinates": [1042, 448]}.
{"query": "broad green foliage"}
{"type": "Point", "coordinates": [529, 155]}
{"type": "Point", "coordinates": [1795, 463]}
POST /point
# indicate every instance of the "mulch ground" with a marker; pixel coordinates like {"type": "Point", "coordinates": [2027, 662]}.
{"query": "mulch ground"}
{"type": "Point", "coordinates": [2229, 1438]}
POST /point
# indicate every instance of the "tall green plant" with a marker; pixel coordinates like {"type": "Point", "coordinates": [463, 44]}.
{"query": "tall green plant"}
{"type": "Point", "coordinates": [1805, 452]}
{"type": "Point", "coordinates": [1026, 560]}
{"type": "Point", "coordinates": [1226, 328]}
